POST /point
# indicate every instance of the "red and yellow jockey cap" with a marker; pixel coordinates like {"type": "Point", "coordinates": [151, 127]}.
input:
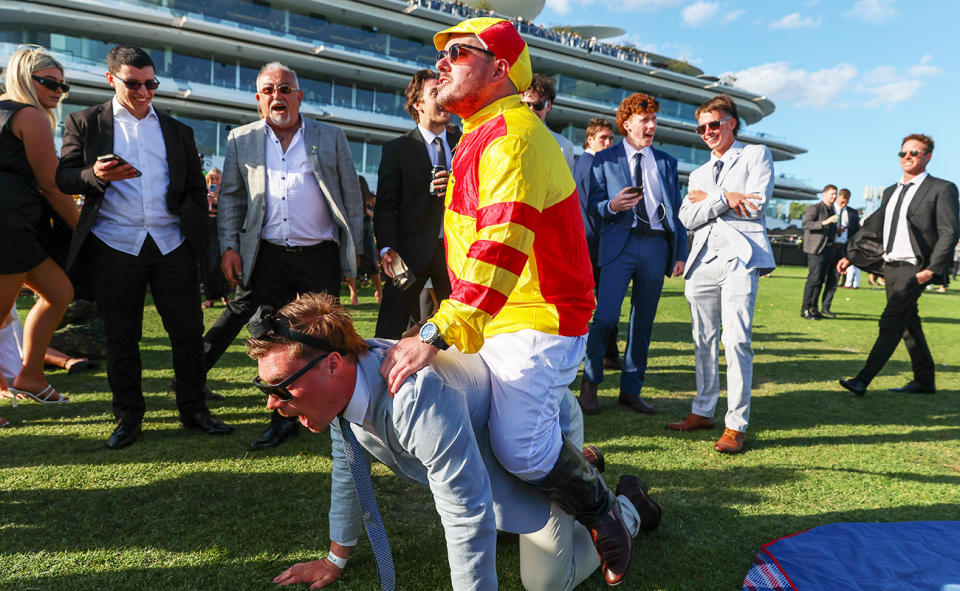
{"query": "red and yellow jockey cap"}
{"type": "Point", "coordinates": [499, 36]}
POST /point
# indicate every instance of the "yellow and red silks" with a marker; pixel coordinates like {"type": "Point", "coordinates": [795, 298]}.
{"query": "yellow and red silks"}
{"type": "Point", "coordinates": [515, 244]}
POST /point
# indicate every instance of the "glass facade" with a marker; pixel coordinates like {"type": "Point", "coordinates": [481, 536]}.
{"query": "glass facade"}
{"type": "Point", "coordinates": [611, 96]}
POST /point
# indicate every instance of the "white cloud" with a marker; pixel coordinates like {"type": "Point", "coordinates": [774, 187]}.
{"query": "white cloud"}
{"type": "Point", "coordinates": [779, 82]}
{"type": "Point", "coordinates": [891, 93]}
{"type": "Point", "coordinates": [795, 21]}
{"type": "Point", "coordinates": [876, 12]}
{"type": "Point", "coordinates": [923, 68]}
{"type": "Point", "coordinates": [699, 13]}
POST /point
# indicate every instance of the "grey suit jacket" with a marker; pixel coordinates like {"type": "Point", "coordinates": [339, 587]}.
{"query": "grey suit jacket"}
{"type": "Point", "coordinates": [434, 432]}
{"type": "Point", "coordinates": [242, 203]}
{"type": "Point", "coordinates": [817, 236]}
{"type": "Point", "coordinates": [746, 169]}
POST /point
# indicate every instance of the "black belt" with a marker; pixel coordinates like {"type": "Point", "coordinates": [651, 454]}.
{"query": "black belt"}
{"type": "Point", "coordinates": [900, 264]}
{"type": "Point", "coordinates": [311, 248]}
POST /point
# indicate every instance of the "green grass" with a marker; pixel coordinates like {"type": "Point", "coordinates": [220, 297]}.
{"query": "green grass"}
{"type": "Point", "coordinates": [182, 510]}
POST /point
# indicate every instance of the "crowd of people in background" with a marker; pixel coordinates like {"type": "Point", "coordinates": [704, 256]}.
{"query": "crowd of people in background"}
{"type": "Point", "coordinates": [526, 254]}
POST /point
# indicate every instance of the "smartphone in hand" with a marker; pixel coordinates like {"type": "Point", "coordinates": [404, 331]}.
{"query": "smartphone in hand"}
{"type": "Point", "coordinates": [120, 161]}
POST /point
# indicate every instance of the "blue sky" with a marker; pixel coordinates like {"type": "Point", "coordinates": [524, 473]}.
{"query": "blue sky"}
{"type": "Point", "coordinates": [849, 78]}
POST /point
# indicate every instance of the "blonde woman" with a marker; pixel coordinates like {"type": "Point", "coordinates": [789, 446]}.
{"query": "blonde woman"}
{"type": "Point", "coordinates": [33, 88]}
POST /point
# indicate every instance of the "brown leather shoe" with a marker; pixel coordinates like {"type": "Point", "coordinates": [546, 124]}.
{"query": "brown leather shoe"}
{"type": "Point", "coordinates": [589, 403]}
{"type": "Point", "coordinates": [613, 543]}
{"type": "Point", "coordinates": [692, 422]}
{"type": "Point", "coordinates": [731, 442]}
{"type": "Point", "coordinates": [593, 455]}
{"type": "Point", "coordinates": [636, 403]}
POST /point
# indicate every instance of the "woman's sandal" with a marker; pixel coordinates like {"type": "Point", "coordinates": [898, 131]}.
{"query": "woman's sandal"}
{"type": "Point", "coordinates": [48, 395]}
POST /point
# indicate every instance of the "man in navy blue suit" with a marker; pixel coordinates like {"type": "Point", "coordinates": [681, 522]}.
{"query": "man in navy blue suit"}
{"type": "Point", "coordinates": [598, 138]}
{"type": "Point", "coordinates": [635, 193]}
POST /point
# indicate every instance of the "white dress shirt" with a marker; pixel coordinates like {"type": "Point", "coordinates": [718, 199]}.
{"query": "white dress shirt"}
{"type": "Point", "coordinates": [136, 207]}
{"type": "Point", "coordinates": [297, 212]}
{"type": "Point", "coordinates": [428, 137]}
{"type": "Point", "coordinates": [843, 222]}
{"type": "Point", "coordinates": [902, 250]}
{"type": "Point", "coordinates": [652, 192]}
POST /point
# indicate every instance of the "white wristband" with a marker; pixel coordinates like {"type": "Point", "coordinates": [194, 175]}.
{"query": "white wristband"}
{"type": "Point", "coordinates": [337, 561]}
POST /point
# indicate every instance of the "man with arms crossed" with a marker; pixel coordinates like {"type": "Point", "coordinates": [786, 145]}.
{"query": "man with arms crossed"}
{"type": "Point", "coordinates": [912, 236]}
{"type": "Point", "coordinates": [730, 251]}
{"type": "Point", "coordinates": [408, 216]}
{"type": "Point", "coordinates": [819, 231]}
{"type": "Point", "coordinates": [143, 223]}
{"type": "Point", "coordinates": [434, 432]}
{"type": "Point", "coordinates": [290, 215]}
{"type": "Point", "coordinates": [522, 286]}
{"type": "Point", "coordinates": [635, 193]}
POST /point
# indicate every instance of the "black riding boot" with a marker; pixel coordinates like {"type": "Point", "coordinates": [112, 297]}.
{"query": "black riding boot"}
{"type": "Point", "coordinates": [576, 486]}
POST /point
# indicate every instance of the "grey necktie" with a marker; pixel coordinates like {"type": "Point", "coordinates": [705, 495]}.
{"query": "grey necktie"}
{"type": "Point", "coordinates": [717, 167]}
{"type": "Point", "coordinates": [372, 522]}
{"type": "Point", "coordinates": [441, 153]}
{"type": "Point", "coordinates": [896, 218]}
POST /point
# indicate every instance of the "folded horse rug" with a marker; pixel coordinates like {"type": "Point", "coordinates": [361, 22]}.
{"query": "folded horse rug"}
{"type": "Point", "coordinates": [861, 557]}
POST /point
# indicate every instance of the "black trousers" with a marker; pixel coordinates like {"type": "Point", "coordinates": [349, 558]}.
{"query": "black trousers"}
{"type": "Point", "coordinates": [120, 283]}
{"type": "Point", "coordinates": [278, 276]}
{"type": "Point", "coordinates": [832, 280]}
{"type": "Point", "coordinates": [817, 267]}
{"type": "Point", "coordinates": [900, 320]}
{"type": "Point", "coordinates": [399, 307]}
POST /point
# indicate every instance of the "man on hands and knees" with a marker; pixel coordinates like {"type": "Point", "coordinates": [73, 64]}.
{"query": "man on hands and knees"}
{"type": "Point", "coordinates": [730, 251]}
{"type": "Point", "coordinates": [290, 215]}
{"type": "Point", "coordinates": [314, 365]}
{"type": "Point", "coordinates": [143, 224]}
{"type": "Point", "coordinates": [635, 193]}
{"type": "Point", "coordinates": [408, 215]}
{"type": "Point", "coordinates": [819, 232]}
{"type": "Point", "coordinates": [520, 272]}
{"type": "Point", "coordinates": [910, 238]}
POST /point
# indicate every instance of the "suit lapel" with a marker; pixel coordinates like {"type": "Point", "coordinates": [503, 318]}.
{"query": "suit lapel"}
{"type": "Point", "coordinates": [922, 192]}
{"type": "Point", "coordinates": [104, 131]}
{"type": "Point", "coordinates": [421, 151]}
{"type": "Point", "coordinates": [728, 161]}
{"type": "Point", "coordinates": [174, 157]}
{"type": "Point", "coordinates": [257, 153]}
{"type": "Point", "coordinates": [664, 188]}
{"type": "Point", "coordinates": [311, 139]}
{"type": "Point", "coordinates": [624, 165]}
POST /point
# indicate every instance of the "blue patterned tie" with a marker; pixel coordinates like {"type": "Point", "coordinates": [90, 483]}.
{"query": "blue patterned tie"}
{"type": "Point", "coordinates": [717, 167]}
{"type": "Point", "coordinates": [372, 522]}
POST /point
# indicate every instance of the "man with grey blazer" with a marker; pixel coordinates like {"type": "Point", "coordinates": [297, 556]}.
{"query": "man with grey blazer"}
{"type": "Point", "coordinates": [730, 251]}
{"type": "Point", "coordinates": [313, 364]}
{"type": "Point", "coordinates": [290, 215]}
{"type": "Point", "coordinates": [819, 233]}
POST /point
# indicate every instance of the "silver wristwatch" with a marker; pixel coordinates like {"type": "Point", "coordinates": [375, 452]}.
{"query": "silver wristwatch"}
{"type": "Point", "coordinates": [430, 334]}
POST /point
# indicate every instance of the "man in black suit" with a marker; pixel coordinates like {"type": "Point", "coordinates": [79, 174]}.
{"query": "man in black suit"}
{"type": "Point", "coordinates": [142, 224]}
{"type": "Point", "coordinates": [408, 215]}
{"type": "Point", "coordinates": [819, 230]}
{"type": "Point", "coordinates": [911, 240]}
{"type": "Point", "coordinates": [848, 223]}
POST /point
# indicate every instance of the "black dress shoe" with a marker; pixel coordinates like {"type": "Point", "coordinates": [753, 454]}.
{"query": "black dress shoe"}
{"type": "Point", "coordinates": [276, 434]}
{"type": "Point", "coordinates": [123, 435]}
{"type": "Point", "coordinates": [634, 489]}
{"type": "Point", "coordinates": [811, 315]}
{"type": "Point", "coordinates": [855, 385]}
{"type": "Point", "coordinates": [915, 388]}
{"type": "Point", "coordinates": [827, 314]}
{"type": "Point", "coordinates": [204, 421]}
{"type": "Point", "coordinates": [636, 403]}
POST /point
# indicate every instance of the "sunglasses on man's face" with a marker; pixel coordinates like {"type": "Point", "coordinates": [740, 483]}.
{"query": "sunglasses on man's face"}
{"type": "Point", "coordinates": [280, 391]}
{"type": "Point", "coordinates": [282, 89]}
{"type": "Point", "coordinates": [135, 84]}
{"type": "Point", "coordinates": [713, 125]}
{"type": "Point", "coordinates": [913, 153]}
{"type": "Point", "coordinates": [538, 106]}
{"type": "Point", "coordinates": [51, 84]}
{"type": "Point", "coordinates": [457, 49]}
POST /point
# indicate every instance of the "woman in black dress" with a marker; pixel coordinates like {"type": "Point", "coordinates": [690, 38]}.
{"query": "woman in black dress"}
{"type": "Point", "coordinates": [33, 87]}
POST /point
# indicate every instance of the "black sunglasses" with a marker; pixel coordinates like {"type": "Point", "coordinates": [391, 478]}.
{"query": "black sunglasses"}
{"type": "Point", "coordinates": [280, 391]}
{"type": "Point", "coordinates": [538, 106]}
{"type": "Point", "coordinates": [51, 84]}
{"type": "Point", "coordinates": [135, 84]}
{"type": "Point", "coordinates": [457, 48]}
{"type": "Point", "coordinates": [913, 153]}
{"type": "Point", "coordinates": [282, 89]}
{"type": "Point", "coordinates": [714, 125]}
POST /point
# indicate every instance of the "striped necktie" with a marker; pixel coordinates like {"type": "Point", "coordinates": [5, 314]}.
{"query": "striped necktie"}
{"type": "Point", "coordinates": [372, 522]}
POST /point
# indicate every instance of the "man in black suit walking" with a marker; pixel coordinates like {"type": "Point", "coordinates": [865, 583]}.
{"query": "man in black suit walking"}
{"type": "Point", "coordinates": [819, 229]}
{"type": "Point", "coordinates": [911, 239]}
{"type": "Point", "coordinates": [848, 223]}
{"type": "Point", "coordinates": [408, 215]}
{"type": "Point", "coordinates": [142, 224]}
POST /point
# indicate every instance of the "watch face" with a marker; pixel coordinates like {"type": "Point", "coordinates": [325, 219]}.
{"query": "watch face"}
{"type": "Point", "coordinates": [428, 332]}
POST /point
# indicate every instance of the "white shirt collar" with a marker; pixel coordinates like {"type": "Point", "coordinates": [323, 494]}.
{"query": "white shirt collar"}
{"type": "Point", "coordinates": [915, 180]}
{"type": "Point", "coordinates": [121, 111]}
{"type": "Point", "coordinates": [356, 410]}
{"type": "Point", "coordinates": [647, 152]}
{"type": "Point", "coordinates": [429, 136]}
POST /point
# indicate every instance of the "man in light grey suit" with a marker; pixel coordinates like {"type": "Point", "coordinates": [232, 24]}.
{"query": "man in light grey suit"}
{"type": "Point", "coordinates": [725, 210]}
{"type": "Point", "coordinates": [290, 215]}
{"type": "Point", "coordinates": [314, 365]}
